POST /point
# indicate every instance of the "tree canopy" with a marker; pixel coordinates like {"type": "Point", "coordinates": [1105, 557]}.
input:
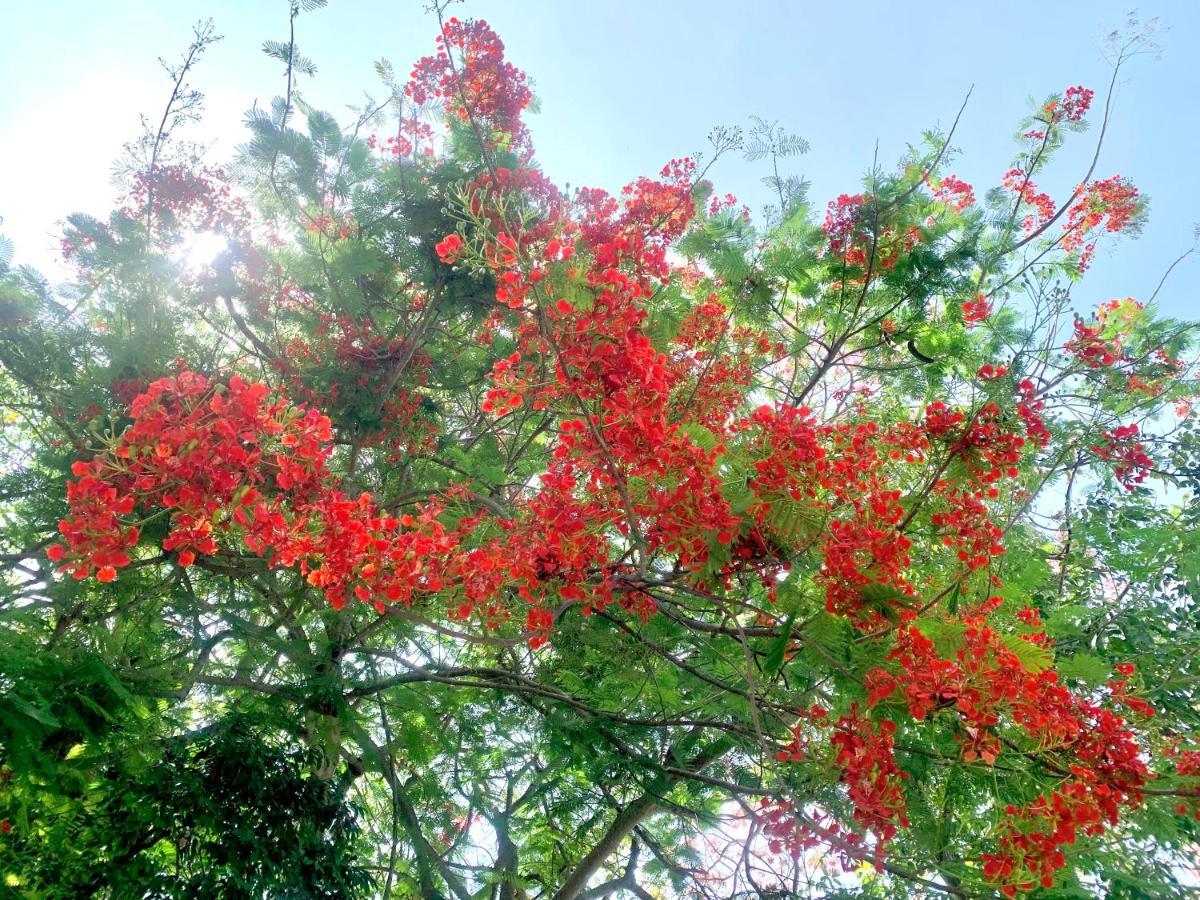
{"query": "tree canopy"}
{"type": "Point", "coordinates": [447, 533]}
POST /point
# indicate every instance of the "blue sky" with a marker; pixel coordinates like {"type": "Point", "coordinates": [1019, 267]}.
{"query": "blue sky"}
{"type": "Point", "coordinates": [625, 86]}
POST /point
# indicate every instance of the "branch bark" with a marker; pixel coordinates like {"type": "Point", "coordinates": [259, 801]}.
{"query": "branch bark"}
{"type": "Point", "coordinates": [628, 819]}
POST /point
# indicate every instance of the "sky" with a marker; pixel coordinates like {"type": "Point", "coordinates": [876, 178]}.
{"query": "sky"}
{"type": "Point", "coordinates": [625, 85]}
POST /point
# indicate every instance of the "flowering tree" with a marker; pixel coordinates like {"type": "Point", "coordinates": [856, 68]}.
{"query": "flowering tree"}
{"type": "Point", "coordinates": [584, 543]}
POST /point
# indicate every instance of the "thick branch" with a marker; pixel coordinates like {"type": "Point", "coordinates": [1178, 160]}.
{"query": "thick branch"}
{"type": "Point", "coordinates": [628, 819]}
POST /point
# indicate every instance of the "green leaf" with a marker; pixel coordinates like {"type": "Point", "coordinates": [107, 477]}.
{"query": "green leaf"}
{"type": "Point", "coordinates": [702, 437]}
{"type": "Point", "coordinates": [1065, 621]}
{"type": "Point", "coordinates": [1033, 658]}
{"type": "Point", "coordinates": [947, 637]}
{"type": "Point", "coordinates": [1085, 667]}
{"type": "Point", "coordinates": [324, 132]}
{"type": "Point", "coordinates": [884, 599]}
{"type": "Point", "coordinates": [792, 523]}
{"type": "Point", "coordinates": [37, 713]}
{"type": "Point", "coordinates": [779, 645]}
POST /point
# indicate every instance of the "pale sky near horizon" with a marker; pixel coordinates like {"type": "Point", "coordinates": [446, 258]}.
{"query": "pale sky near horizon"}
{"type": "Point", "coordinates": [624, 86]}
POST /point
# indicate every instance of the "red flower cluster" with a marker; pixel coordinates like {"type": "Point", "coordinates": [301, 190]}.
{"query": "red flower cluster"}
{"type": "Point", "coordinates": [97, 539]}
{"type": "Point", "coordinates": [1100, 344]}
{"type": "Point", "coordinates": [975, 311]}
{"type": "Point", "coordinates": [603, 359]}
{"type": "Point", "coordinates": [1071, 107]}
{"type": "Point", "coordinates": [449, 248]}
{"type": "Point", "coordinates": [1029, 408]}
{"type": "Point", "coordinates": [1188, 763]}
{"type": "Point", "coordinates": [953, 192]}
{"type": "Point", "coordinates": [841, 475]}
{"type": "Point", "coordinates": [199, 452]}
{"type": "Point", "coordinates": [1131, 463]}
{"type": "Point", "coordinates": [990, 446]}
{"type": "Point", "coordinates": [415, 136]}
{"type": "Point", "coordinates": [1076, 103]}
{"type": "Point", "coordinates": [983, 684]}
{"type": "Point", "coordinates": [1087, 803]}
{"type": "Point", "coordinates": [1039, 207]}
{"type": "Point", "coordinates": [864, 755]}
{"type": "Point", "coordinates": [232, 462]}
{"type": "Point", "coordinates": [191, 199]}
{"type": "Point", "coordinates": [966, 526]}
{"type": "Point", "coordinates": [1090, 348]}
{"type": "Point", "coordinates": [854, 241]}
{"type": "Point", "coordinates": [940, 420]}
{"type": "Point", "coordinates": [1112, 204]}
{"type": "Point", "coordinates": [842, 223]}
{"type": "Point", "coordinates": [482, 85]}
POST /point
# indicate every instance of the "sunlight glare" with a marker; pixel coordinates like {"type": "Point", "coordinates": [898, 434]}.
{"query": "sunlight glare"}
{"type": "Point", "coordinates": [201, 250]}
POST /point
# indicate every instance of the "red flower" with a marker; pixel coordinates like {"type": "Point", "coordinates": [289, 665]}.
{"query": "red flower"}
{"type": "Point", "coordinates": [1131, 462]}
{"type": "Point", "coordinates": [953, 192]}
{"type": "Point", "coordinates": [976, 310]}
{"type": "Point", "coordinates": [484, 86]}
{"type": "Point", "coordinates": [449, 248]}
{"type": "Point", "coordinates": [1076, 103]}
